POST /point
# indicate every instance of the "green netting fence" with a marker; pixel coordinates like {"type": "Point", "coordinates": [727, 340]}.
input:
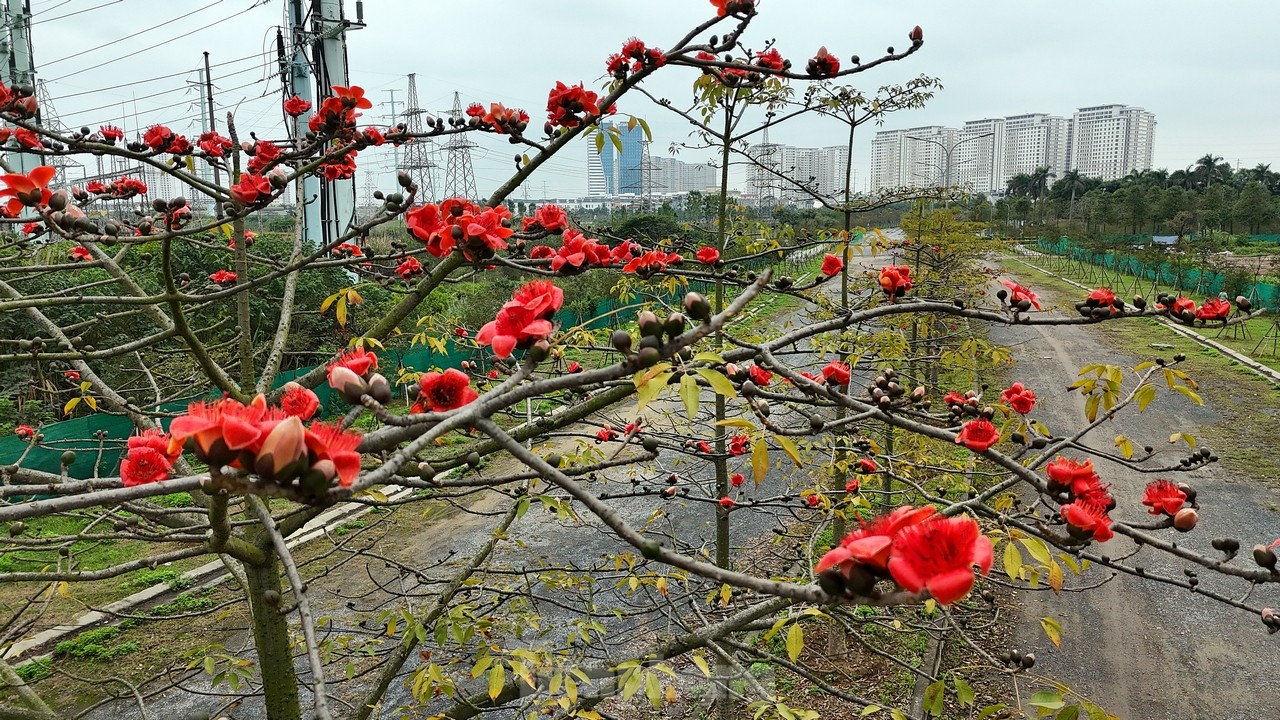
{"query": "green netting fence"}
{"type": "Point", "coordinates": [1118, 256]}
{"type": "Point", "coordinates": [104, 435]}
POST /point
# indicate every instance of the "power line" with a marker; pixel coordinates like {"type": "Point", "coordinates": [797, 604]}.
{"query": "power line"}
{"type": "Point", "coordinates": [158, 77]}
{"type": "Point", "coordinates": [146, 49]}
{"type": "Point", "coordinates": [126, 37]}
{"type": "Point", "coordinates": [170, 91]}
{"type": "Point", "coordinates": [73, 14]}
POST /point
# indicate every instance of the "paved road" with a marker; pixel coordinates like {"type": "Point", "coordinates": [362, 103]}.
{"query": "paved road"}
{"type": "Point", "coordinates": [1142, 650]}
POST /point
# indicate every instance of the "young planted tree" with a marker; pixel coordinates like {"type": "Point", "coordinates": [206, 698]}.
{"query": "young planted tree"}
{"type": "Point", "coordinates": [594, 564]}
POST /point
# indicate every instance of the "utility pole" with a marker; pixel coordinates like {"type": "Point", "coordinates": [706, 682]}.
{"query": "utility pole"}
{"type": "Point", "coordinates": [19, 67]}
{"type": "Point", "coordinates": [338, 205]}
{"type": "Point", "coordinates": [299, 82]}
{"type": "Point", "coordinates": [213, 127]}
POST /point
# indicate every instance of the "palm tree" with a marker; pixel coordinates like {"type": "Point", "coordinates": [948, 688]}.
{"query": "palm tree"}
{"type": "Point", "coordinates": [1038, 183]}
{"type": "Point", "coordinates": [1072, 182]}
{"type": "Point", "coordinates": [1019, 185]}
{"type": "Point", "coordinates": [1210, 168]}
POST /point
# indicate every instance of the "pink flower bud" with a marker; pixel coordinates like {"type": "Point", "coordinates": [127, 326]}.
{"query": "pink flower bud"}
{"type": "Point", "coordinates": [282, 448]}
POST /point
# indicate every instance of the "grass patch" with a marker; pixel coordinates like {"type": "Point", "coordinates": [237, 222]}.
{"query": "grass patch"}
{"type": "Point", "coordinates": [97, 645]}
{"type": "Point", "coordinates": [144, 579]}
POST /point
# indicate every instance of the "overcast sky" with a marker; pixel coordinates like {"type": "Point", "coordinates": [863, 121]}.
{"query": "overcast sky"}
{"type": "Point", "coordinates": [1206, 69]}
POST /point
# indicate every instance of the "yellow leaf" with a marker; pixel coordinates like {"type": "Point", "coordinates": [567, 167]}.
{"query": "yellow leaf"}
{"type": "Point", "coordinates": [353, 297]}
{"type": "Point", "coordinates": [870, 710]}
{"type": "Point", "coordinates": [718, 382]}
{"type": "Point", "coordinates": [64, 589]}
{"type": "Point", "coordinates": [790, 449]}
{"type": "Point", "coordinates": [671, 696]}
{"type": "Point", "coordinates": [71, 405]}
{"type": "Point", "coordinates": [736, 423]}
{"type": "Point", "coordinates": [1055, 577]}
{"type": "Point", "coordinates": [324, 306]}
{"type": "Point", "coordinates": [1145, 396]}
{"type": "Point", "coordinates": [1126, 447]}
{"type": "Point", "coordinates": [653, 689]}
{"type": "Point", "coordinates": [689, 393]}
{"type": "Point", "coordinates": [701, 662]}
{"type": "Point", "coordinates": [1012, 561]}
{"type": "Point", "coordinates": [1053, 629]}
{"type": "Point", "coordinates": [649, 392]}
{"type": "Point", "coordinates": [726, 593]}
{"type": "Point", "coordinates": [1191, 442]}
{"type": "Point", "coordinates": [1037, 548]}
{"type": "Point", "coordinates": [795, 641]}
{"type": "Point", "coordinates": [661, 586]}
{"type": "Point", "coordinates": [497, 678]}
{"type": "Point", "coordinates": [341, 311]}
{"type": "Point", "coordinates": [759, 460]}
{"type": "Point", "coordinates": [91, 402]}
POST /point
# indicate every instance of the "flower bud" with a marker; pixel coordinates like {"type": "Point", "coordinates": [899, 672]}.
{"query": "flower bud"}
{"type": "Point", "coordinates": [285, 444]}
{"type": "Point", "coordinates": [697, 307]}
{"type": "Point", "coordinates": [1185, 520]}
{"type": "Point", "coordinates": [347, 382]}
{"type": "Point", "coordinates": [379, 388]}
{"type": "Point", "coordinates": [1264, 556]}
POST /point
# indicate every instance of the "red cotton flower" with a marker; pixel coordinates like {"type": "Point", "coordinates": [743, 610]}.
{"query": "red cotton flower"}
{"type": "Point", "coordinates": [606, 434]}
{"type": "Point", "coordinates": [1087, 519]}
{"type": "Point", "coordinates": [831, 265]}
{"type": "Point", "coordinates": [264, 153]}
{"type": "Point", "coordinates": [895, 280]}
{"type": "Point", "coordinates": [760, 376]}
{"type": "Point", "coordinates": [525, 319]}
{"type": "Point", "coordinates": [708, 255]}
{"type": "Point", "coordinates": [297, 401]}
{"type": "Point", "coordinates": [853, 486]}
{"type": "Point", "coordinates": [1019, 398]}
{"type": "Point", "coordinates": [939, 556]}
{"type": "Point", "coordinates": [213, 144]}
{"type": "Point", "coordinates": [251, 190]}
{"type": "Point", "coordinates": [1063, 472]}
{"type": "Point", "coordinates": [1101, 297]}
{"type": "Point", "coordinates": [1181, 305]}
{"type": "Point", "coordinates": [143, 465]}
{"type": "Point", "coordinates": [823, 64]}
{"type": "Point", "coordinates": [81, 253]}
{"type": "Point", "coordinates": [358, 361]}
{"type": "Point", "coordinates": [836, 372]}
{"type": "Point", "coordinates": [111, 134]}
{"type": "Point", "coordinates": [158, 137]}
{"type": "Point", "coordinates": [72, 375]}
{"type": "Point", "coordinates": [409, 269]}
{"type": "Point", "coordinates": [954, 399]}
{"type": "Point", "coordinates": [223, 277]}
{"type": "Point", "coordinates": [31, 190]}
{"type": "Point", "coordinates": [570, 105]}
{"type": "Point", "coordinates": [739, 444]}
{"type": "Point", "coordinates": [704, 447]}
{"type": "Point", "coordinates": [650, 263]}
{"type": "Point", "coordinates": [28, 139]}
{"type": "Point", "coordinates": [24, 432]}
{"type": "Point", "coordinates": [1214, 309]}
{"type": "Point", "coordinates": [1018, 293]}
{"type": "Point", "coordinates": [726, 502]}
{"type": "Point", "coordinates": [441, 392]}
{"type": "Point", "coordinates": [551, 217]}
{"type": "Point", "coordinates": [336, 446]}
{"type": "Point", "coordinates": [866, 466]}
{"type": "Point", "coordinates": [771, 59]}
{"type": "Point", "coordinates": [869, 545]}
{"type": "Point", "coordinates": [978, 435]}
{"type": "Point", "coordinates": [296, 106]}
{"type": "Point", "coordinates": [574, 367]}
{"type": "Point", "coordinates": [725, 7]}
{"type": "Point", "coordinates": [737, 479]}
{"type": "Point", "coordinates": [1163, 496]}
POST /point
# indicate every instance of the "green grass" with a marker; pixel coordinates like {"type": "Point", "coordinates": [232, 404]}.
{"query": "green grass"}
{"type": "Point", "coordinates": [97, 645]}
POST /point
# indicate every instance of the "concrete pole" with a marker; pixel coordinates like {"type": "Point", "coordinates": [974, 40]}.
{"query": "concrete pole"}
{"type": "Point", "coordinates": [307, 191]}
{"type": "Point", "coordinates": [20, 67]}
{"type": "Point", "coordinates": [339, 208]}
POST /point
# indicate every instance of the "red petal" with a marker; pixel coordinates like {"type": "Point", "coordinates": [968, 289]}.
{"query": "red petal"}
{"type": "Point", "coordinates": [951, 585]}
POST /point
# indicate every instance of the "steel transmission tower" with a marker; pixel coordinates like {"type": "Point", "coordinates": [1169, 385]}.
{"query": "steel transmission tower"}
{"type": "Point", "coordinates": [767, 184]}
{"type": "Point", "coordinates": [47, 116]}
{"type": "Point", "coordinates": [459, 175]}
{"type": "Point", "coordinates": [418, 152]}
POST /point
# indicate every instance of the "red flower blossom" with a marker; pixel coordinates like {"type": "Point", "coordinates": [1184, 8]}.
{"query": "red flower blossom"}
{"type": "Point", "coordinates": [111, 134]}
{"type": "Point", "coordinates": [708, 255]}
{"type": "Point", "coordinates": [649, 264]}
{"type": "Point", "coordinates": [525, 319]}
{"type": "Point", "coordinates": [541, 252]}
{"type": "Point", "coordinates": [31, 190]}
{"type": "Point", "coordinates": [296, 106]}
{"type": "Point", "coordinates": [606, 433]}
{"type": "Point", "coordinates": [978, 435]}
{"type": "Point", "coordinates": [409, 269]}
{"type": "Point", "coordinates": [569, 105]}
{"type": "Point", "coordinates": [813, 500]}
{"type": "Point", "coordinates": [28, 139]}
{"type": "Point", "coordinates": [358, 361]}
{"type": "Point", "coordinates": [823, 63]}
{"type": "Point", "coordinates": [221, 429]}
{"type": "Point", "coordinates": [143, 465]}
{"type": "Point", "coordinates": [895, 280]}
{"type": "Point", "coordinates": [460, 332]}
{"type": "Point", "coordinates": [831, 264]}
{"type": "Point", "coordinates": [264, 153]}
{"type": "Point", "coordinates": [954, 398]}
{"type": "Point", "coordinates": [939, 556]}
{"type": "Point", "coordinates": [441, 392]}
{"type": "Point", "coordinates": [739, 444]}
{"type": "Point", "coordinates": [1163, 496]}
{"type": "Point", "coordinates": [493, 374]}
{"type": "Point", "coordinates": [737, 479]}
{"type": "Point", "coordinates": [502, 119]}
{"type": "Point", "coordinates": [223, 277]}
{"type": "Point", "coordinates": [1064, 471]}
{"type": "Point", "coordinates": [251, 189]}
{"type": "Point", "coordinates": [81, 253]}
{"type": "Point", "coordinates": [852, 486]}
{"type": "Point", "coordinates": [348, 249]}
{"type": "Point", "coordinates": [1101, 297]}
{"type": "Point", "coordinates": [1019, 398]}
{"type": "Point", "coordinates": [213, 144]}
{"type": "Point", "coordinates": [551, 217]}
{"type": "Point", "coordinates": [1182, 304]}
{"type": "Point", "coordinates": [869, 545]}
{"type": "Point", "coordinates": [770, 59]}
{"type": "Point", "coordinates": [426, 224]}
{"type": "Point", "coordinates": [704, 447]}
{"type": "Point", "coordinates": [1088, 519]}
{"type": "Point", "coordinates": [1018, 293]}
{"type": "Point", "coordinates": [760, 376]}
{"type": "Point", "coordinates": [158, 137]}
{"type": "Point", "coordinates": [726, 502]}
{"type": "Point", "coordinates": [724, 7]}
{"type": "Point", "coordinates": [836, 372]}
{"type": "Point", "coordinates": [24, 432]}
{"type": "Point", "coordinates": [866, 466]}
{"type": "Point", "coordinates": [337, 446]}
{"type": "Point", "coordinates": [374, 136]}
{"type": "Point", "coordinates": [297, 401]}
{"type": "Point", "coordinates": [1214, 309]}
{"type": "Point", "coordinates": [574, 367]}
{"type": "Point", "coordinates": [352, 97]}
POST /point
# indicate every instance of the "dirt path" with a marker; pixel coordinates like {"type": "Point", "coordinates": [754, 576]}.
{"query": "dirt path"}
{"type": "Point", "coordinates": [1142, 650]}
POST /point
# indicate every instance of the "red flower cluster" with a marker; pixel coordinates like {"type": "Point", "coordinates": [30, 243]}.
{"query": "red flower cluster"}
{"type": "Point", "coordinates": [251, 190]}
{"type": "Point", "coordinates": [213, 144]}
{"type": "Point", "coordinates": [831, 265]}
{"type": "Point", "coordinates": [352, 374]}
{"type": "Point", "coordinates": [502, 119]}
{"type": "Point", "coordinates": [458, 222]}
{"type": "Point", "coordinates": [24, 432]}
{"type": "Point", "coordinates": [1163, 496]}
{"type": "Point", "coordinates": [81, 253]}
{"type": "Point", "coordinates": [760, 376]}
{"type": "Point", "coordinates": [739, 444]}
{"type": "Point", "coordinates": [550, 218]}
{"type": "Point", "coordinates": [895, 280]}
{"type": "Point", "coordinates": [1213, 309]}
{"type": "Point", "coordinates": [1019, 398]}
{"type": "Point", "coordinates": [708, 255]}
{"type": "Point", "coordinates": [570, 105]}
{"type": "Point", "coordinates": [264, 153]}
{"type": "Point", "coordinates": [149, 458]}
{"type": "Point", "coordinates": [223, 277]}
{"type": "Point", "coordinates": [978, 435]}
{"type": "Point", "coordinates": [296, 106]}
{"type": "Point", "coordinates": [267, 441]}
{"type": "Point", "coordinates": [651, 263]}
{"type": "Point", "coordinates": [337, 113]}
{"type": "Point", "coordinates": [524, 320]}
{"type": "Point", "coordinates": [161, 139]}
{"type": "Point", "coordinates": [442, 392]}
{"type": "Point", "coordinates": [1018, 293]}
{"type": "Point", "coordinates": [634, 50]}
{"type": "Point", "coordinates": [823, 64]}
{"type": "Point", "coordinates": [348, 249]}
{"type": "Point", "coordinates": [119, 189]}
{"type": "Point", "coordinates": [1086, 513]}
{"type": "Point", "coordinates": [31, 190]}
{"type": "Point", "coordinates": [606, 433]}
{"type": "Point", "coordinates": [577, 253]}
{"type": "Point", "coordinates": [771, 60]}
{"type": "Point", "coordinates": [919, 550]}
{"type": "Point", "coordinates": [409, 269]}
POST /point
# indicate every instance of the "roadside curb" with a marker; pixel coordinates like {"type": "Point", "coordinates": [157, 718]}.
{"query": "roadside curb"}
{"type": "Point", "coordinates": [1266, 373]}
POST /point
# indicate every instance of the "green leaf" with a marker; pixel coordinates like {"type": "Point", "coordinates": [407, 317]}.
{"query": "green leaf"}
{"type": "Point", "coordinates": [795, 641]}
{"type": "Point", "coordinates": [990, 710]}
{"type": "Point", "coordinates": [1053, 629]}
{"type": "Point", "coordinates": [689, 393]}
{"type": "Point", "coordinates": [870, 710]}
{"type": "Point", "coordinates": [1048, 699]}
{"type": "Point", "coordinates": [1037, 548]}
{"type": "Point", "coordinates": [497, 678]}
{"type": "Point", "coordinates": [1012, 561]}
{"type": "Point", "coordinates": [653, 689]}
{"type": "Point", "coordinates": [964, 692]}
{"type": "Point", "coordinates": [718, 382]}
{"type": "Point", "coordinates": [1070, 712]}
{"type": "Point", "coordinates": [933, 698]}
{"type": "Point", "coordinates": [599, 142]}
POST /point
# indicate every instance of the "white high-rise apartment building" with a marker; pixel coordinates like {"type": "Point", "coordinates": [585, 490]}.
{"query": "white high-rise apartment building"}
{"type": "Point", "coordinates": [1035, 140]}
{"type": "Point", "coordinates": [979, 156]}
{"type": "Point", "coordinates": [671, 175]}
{"type": "Point", "coordinates": [1110, 141]}
{"type": "Point", "coordinates": [822, 170]}
{"type": "Point", "coordinates": [913, 157]}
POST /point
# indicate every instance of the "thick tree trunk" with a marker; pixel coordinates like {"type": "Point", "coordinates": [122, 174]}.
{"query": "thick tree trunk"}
{"type": "Point", "coordinates": [271, 635]}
